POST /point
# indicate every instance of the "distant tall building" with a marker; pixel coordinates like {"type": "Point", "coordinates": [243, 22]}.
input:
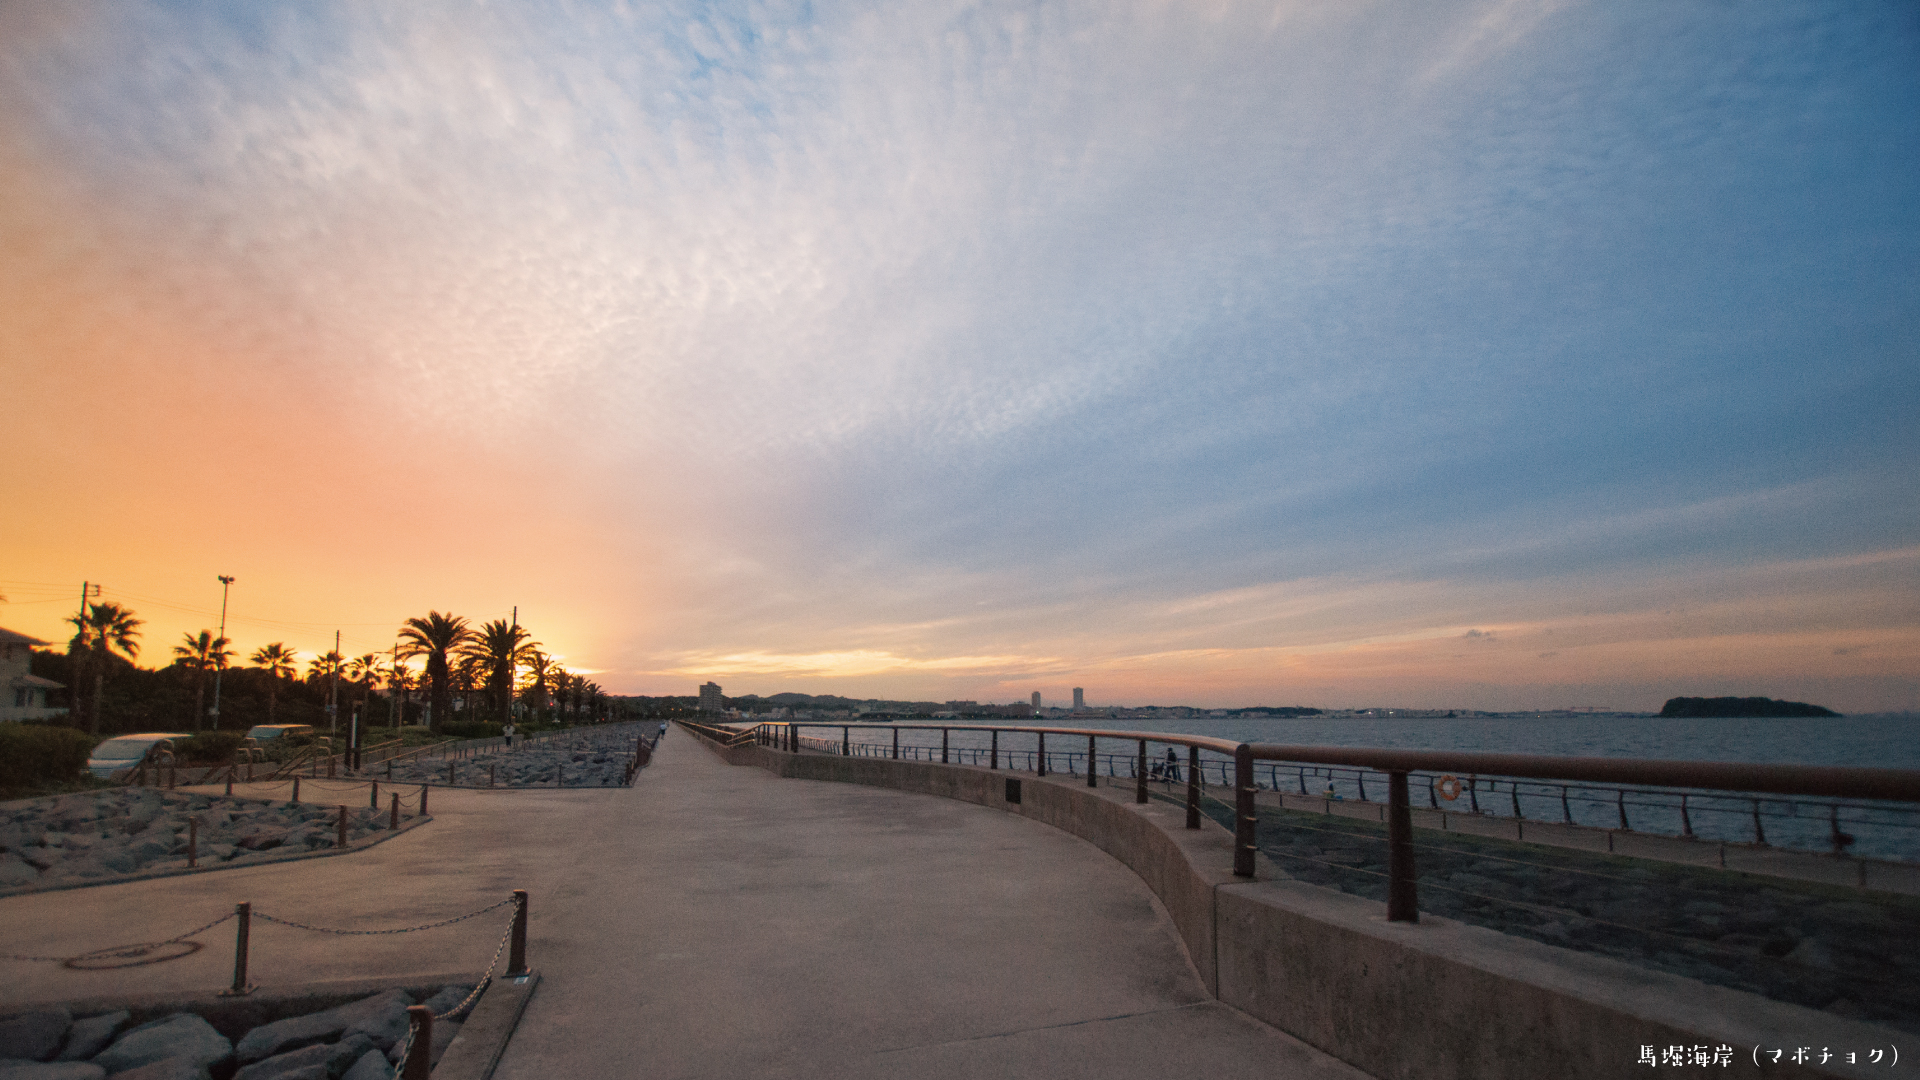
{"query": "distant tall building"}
{"type": "Point", "coordinates": [1036, 703]}
{"type": "Point", "coordinates": [1079, 699]}
{"type": "Point", "coordinates": [710, 697]}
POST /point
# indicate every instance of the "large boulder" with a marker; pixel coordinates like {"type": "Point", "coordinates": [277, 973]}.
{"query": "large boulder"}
{"type": "Point", "coordinates": [371, 1066]}
{"type": "Point", "coordinates": [16, 871]}
{"type": "Point", "coordinates": [52, 1070]}
{"type": "Point", "coordinates": [90, 1035]}
{"type": "Point", "coordinates": [321, 1061]}
{"type": "Point", "coordinates": [34, 1036]}
{"type": "Point", "coordinates": [182, 1035]}
{"type": "Point", "coordinates": [173, 1068]}
{"type": "Point", "coordinates": [372, 1013]}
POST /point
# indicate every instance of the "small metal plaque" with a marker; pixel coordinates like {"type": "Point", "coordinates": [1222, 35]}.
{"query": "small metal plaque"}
{"type": "Point", "coordinates": [1013, 790]}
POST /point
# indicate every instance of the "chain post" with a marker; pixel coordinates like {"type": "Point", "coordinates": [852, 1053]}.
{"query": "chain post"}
{"type": "Point", "coordinates": [230, 781]}
{"type": "Point", "coordinates": [193, 842]}
{"type": "Point", "coordinates": [373, 796]}
{"type": "Point", "coordinates": [423, 799]}
{"type": "Point", "coordinates": [517, 959]}
{"type": "Point", "coordinates": [1246, 816]}
{"type": "Point", "coordinates": [1402, 898]}
{"type": "Point", "coordinates": [419, 1044]}
{"type": "Point", "coordinates": [394, 822]}
{"type": "Point", "coordinates": [242, 923]}
{"type": "Point", "coordinates": [1193, 787]}
{"type": "Point", "coordinates": [1140, 775]}
{"type": "Point", "coordinates": [342, 840]}
{"type": "Point", "coordinates": [296, 790]}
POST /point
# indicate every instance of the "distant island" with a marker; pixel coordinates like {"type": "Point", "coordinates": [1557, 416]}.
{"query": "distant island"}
{"type": "Point", "coordinates": [1740, 706]}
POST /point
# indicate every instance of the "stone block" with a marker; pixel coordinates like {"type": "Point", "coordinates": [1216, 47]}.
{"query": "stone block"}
{"type": "Point", "coordinates": [181, 1035]}
{"type": "Point", "coordinates": [89, 1036]}
{"type": "Point", "coordinates": [34, 1036]}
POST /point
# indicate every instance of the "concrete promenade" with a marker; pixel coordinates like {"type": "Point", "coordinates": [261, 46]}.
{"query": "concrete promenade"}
{"type": "Point", "coordinates": [715, 921]}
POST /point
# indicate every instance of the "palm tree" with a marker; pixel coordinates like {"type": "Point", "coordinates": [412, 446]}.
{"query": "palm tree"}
{"type": "Point", "coordinates": [279, 662]}
{"type": "Point", "coordinates": [103, 630]}
{"type": "Point", "coordinates": [539, 665]}
{"type": "Point", "coordinates": [400, 690]}
{"type": "Point", "coordinates": [434, 637]}
{"type": "Point", "coordinates": [200, 654]}
{"type": "Point", "coordinates": [363, 670]}
{"type": "Point", "coordinates": [325, 666]}
{"type": "Point", "coordinates": [500, 647]}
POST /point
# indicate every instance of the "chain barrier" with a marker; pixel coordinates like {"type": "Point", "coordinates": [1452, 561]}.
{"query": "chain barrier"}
{"type": "Point", "coordinates": [121, 951]}
{"type": "Point", "coordinates": [370, 933]}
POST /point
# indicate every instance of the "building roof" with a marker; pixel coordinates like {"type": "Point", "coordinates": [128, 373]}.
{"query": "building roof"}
{"type": "Point", "coordinates": [33, 682]}
{"type": "Point", "coordinates": [9, 637]}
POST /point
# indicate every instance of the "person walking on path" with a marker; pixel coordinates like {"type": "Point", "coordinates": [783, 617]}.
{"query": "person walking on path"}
{"type": "Point", "coordinates": [1173, 765]}
{"type": "Point", "coordinates": [507, 730]}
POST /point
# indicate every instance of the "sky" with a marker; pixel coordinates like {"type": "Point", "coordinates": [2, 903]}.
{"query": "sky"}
{"type": "Point", "coordinates": [1490, 355]}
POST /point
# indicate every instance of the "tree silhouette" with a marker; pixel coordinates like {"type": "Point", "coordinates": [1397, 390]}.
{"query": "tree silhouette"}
{"type": "Point", "coordinates": [498, 648]}
{"type": "Point", "coordinates": [279, 662]}
{"type": "Point", "coordinates": [434, 637]}
{"type": "Point", "coordinates": [103, 630]}
{"type": "Point", "coordinates": [200, 654]}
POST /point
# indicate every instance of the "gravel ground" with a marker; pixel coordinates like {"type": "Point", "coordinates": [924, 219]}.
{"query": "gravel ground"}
{"type": "Point", "coordinates": [587, 758]}
{"type": "Point", "coordinates": [1846, 951]}
{"type": "Point", "coordinates": [103, 835]}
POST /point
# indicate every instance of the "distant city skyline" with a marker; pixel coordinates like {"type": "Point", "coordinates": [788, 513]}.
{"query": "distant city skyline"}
{"type": "Point", "coordinates": [1491, 354]}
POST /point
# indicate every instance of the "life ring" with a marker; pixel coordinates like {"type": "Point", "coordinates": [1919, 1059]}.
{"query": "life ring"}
{"type": "Point", "coordinates": [1448, 786]}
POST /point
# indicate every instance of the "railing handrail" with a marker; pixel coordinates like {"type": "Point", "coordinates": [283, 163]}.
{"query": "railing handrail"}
{"type": "Point", "coordinates": [1830, 781]}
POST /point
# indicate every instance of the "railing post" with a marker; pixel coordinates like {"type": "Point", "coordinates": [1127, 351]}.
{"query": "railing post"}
{"type": "Point", "coordinates": [1041, 761]}
{"type": "Point", "coordinates": [517, 957]}
{"type": "Point", "coordinates": [1193, 787]}
{"type": "Point", "coordinates": [1140, 775]}
{"type": "Point", "coordinates": [943, 746]}
{"type": "Point", "coordinates": [242, 927]}
{"type": "Point", "coordinates": [420, 1045]}
{"type": "Point", "coordinates": [1246, 817]}
{"type": "Point", "coordinates": [896, 744]}
{"type": "Point", "coordinates": [844, 744]}
{"type": "Point", "coordinates": [1402, 900]}
{"type": "Point", "coordinates": [373, 796]}
{"type": "Point", "coordinates": [994, 761]}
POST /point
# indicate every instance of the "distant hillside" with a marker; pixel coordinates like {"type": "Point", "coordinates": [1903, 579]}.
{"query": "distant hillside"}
{"type": "Point", "coordinates": [1741, 706]}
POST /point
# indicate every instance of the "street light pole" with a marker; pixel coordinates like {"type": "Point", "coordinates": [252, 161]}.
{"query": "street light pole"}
{"type": "Point", "coordinates": [220, 665]}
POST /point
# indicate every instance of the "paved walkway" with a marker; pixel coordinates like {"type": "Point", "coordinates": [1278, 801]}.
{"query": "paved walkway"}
{"type": "Point", "coordinates": [716, 921]}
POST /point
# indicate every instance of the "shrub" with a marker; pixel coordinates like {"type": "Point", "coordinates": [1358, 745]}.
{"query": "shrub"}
{"type": "Point", "coordinates": [209, 747]}
{"type": "Point", "coordinates": [471, 729]}
{"type": "Point", "coordinates": [32, 755]}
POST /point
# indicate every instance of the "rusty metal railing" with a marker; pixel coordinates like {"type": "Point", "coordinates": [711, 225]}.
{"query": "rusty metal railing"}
{"type": "Point", "coordinates": [1849, 786]}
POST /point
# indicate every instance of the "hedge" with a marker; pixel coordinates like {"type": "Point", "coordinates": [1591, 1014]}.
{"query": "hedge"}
{"type": "Point", "coordinates": [36, 754]}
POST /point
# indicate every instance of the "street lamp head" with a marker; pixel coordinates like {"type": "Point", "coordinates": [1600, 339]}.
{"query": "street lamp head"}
{"type": "Point", "coordinates": [226, 579]}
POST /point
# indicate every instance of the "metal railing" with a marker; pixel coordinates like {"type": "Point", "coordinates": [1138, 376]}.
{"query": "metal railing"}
{"type": "Point", "coordinates": [1639, 792]}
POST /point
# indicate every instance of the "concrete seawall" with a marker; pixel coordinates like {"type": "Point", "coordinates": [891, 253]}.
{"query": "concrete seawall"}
{"type": "Point", "coordinates": [1437, 999]}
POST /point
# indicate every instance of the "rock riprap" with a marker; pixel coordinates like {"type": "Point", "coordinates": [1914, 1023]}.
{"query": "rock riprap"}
{"type": "Point", "coordinates": [360, 1040]}
{"type": "Point", "coordinates": [97, 836]}
{"type": "Point", "coordinates": [588, 757]}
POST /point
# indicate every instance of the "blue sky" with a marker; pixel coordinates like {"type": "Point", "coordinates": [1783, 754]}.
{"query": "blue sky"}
{"type": "Point", "coordinates": [1220, 353]}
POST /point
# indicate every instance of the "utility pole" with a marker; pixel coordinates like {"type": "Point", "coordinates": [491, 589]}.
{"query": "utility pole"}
{"type": "Point", "coordinates": [513, 641]}
{"type": "Point", "coordinates": [333, 692]}
{"type": "Point", "coordinates": [88, 590]}
{"type": "Point", "coordinates": [393, 686]}
{"type": "Point", "coordinates": [220, 662]}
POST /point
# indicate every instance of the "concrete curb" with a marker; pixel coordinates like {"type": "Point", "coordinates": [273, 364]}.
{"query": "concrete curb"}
{"type": "Point", "coordinates": [263, 999]}
{"type": "Point", "coordinates": [475, 1052]}
{"type": "Point", "coordinates": [182, 871]}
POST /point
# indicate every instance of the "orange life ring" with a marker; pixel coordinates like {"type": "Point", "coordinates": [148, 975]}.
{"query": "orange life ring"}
{"type": "Point", "coordinates": [1448, 786]}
